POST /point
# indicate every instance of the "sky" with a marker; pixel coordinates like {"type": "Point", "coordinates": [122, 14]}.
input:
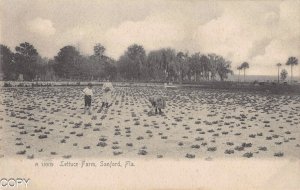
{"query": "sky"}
{"type": "Point", "coordinates": [262, 33]}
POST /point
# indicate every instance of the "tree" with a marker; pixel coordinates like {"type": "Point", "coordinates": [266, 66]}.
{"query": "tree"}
{"type": "Point", "coordinates": [213, 58]}
{"type": "Point", "coordinates": [96, 63]}
{"type": "Point", "coordinates": [155, 65]}
{"type": "Point", "coordinates": [48, 71]}
{"type": "Point", "coordinates": [205, 66]}
{"type": "Point", "coordinates": [239, 68]}
{"type": "Point", "coordinates": [67, 62]}
{"type": "Point", "coordinates": [180, 58]}
{"type": "Point", "coordinates": [195, 65]}
{"type": "Point", "coordinates": [137, 56]}
{"type": "Point", "coordinates": [182, 62]}
{"type": "Point", "coordinates": [131, 63]}
{"type": "Point", "coordinates": [41, 67]}
{"type": "Point", "coordinates": [244, 66]}
{"type": "Point", "coordinates": [166, 65]}
{"type": "Point", "coordinates": [283, 74]}
{"type": "Point", "coordinates": [99, 50]}
{"type": "Point", "coordinates": [223, 68]}
{"type": "Point", "coordinates": [278, 65]}
{"type": "Point", "coordinates": [7, 64]}
{"type": "Point", "coordinates": [26, 60]}
{"type": "Point", "coordinates": [169, 63]}
{"type": "Point", "coordinates": [292, 61]}
{"type": "Point", "coordinates": [110, 70]}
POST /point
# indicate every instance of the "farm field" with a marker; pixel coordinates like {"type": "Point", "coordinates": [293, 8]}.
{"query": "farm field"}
{"type": "Point", "coordinates": [48, 122]}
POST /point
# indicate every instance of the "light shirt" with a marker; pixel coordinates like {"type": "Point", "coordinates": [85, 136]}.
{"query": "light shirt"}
{"type": "Point", "coordinates": [88, 92]}
{"type": "Point", "coordinates": [107, 85]}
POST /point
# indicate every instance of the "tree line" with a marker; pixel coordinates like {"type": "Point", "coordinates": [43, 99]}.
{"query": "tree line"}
{"type": "Point", "coordinates": [68, 64]}
{"type": "Point", "coordinates": [162, 65]}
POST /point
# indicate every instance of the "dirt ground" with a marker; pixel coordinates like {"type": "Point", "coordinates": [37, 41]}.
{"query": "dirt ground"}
{"type": "Point", "coordinates": [48, 122]}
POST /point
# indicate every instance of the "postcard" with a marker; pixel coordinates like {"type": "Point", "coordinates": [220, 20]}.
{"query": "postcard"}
{"type": "Point", "coordinates": [151, 94]}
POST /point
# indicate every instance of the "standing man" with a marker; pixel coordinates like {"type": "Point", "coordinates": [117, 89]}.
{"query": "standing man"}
{"type": "Point", "coordinates": [107, 95]}
{"type": "Point", "coordinates": [88, 93]}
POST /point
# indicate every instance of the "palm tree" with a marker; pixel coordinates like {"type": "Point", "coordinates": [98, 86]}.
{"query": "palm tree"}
{"type": "Point", "coordinates": [244, 66]}
{"type": "Point", "coordinates": [278, 65]}
{"type": "Point", "coordinates": [292, 61]}
{"type": "Point", "coordinates": [239, 68]}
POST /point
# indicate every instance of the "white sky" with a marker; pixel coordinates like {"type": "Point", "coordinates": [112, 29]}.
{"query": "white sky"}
{"type": "Point", "coordinates": [260, 32]}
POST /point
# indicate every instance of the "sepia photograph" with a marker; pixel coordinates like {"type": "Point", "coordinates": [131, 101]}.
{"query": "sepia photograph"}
{"type": "Point", "coordinates": [150, 94]}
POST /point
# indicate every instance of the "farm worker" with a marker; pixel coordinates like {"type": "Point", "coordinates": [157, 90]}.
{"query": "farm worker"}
{"type": "Point", "coordinates": [107, 94]}
{"type": "Point", "coordinates": [157, 103]}
{"type": "Point", "coordinates": [88, 93]}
